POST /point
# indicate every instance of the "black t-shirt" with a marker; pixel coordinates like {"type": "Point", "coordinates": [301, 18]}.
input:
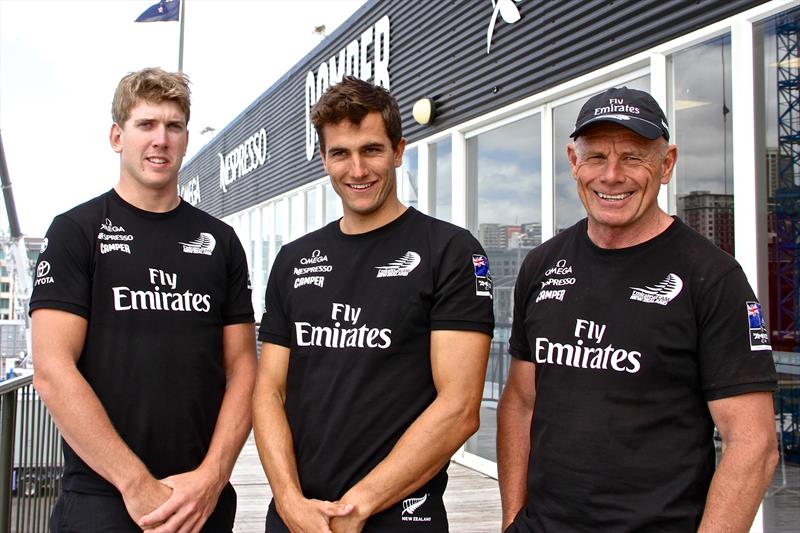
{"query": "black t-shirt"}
{"type": "Point", "coordinates": [357, 312]}
{"type": "Point", "coordinates": [156, 289]}
{"type": "Point", "coordinates": [629, 346]}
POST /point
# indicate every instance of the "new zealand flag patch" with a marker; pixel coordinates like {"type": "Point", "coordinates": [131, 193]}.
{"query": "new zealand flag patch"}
{"type": "Point", "coordinates": [483, 280]}
{"type": "Point", "coordinates": [759, 337]}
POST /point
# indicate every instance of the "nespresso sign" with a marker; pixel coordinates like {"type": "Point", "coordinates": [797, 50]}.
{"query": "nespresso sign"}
{"type": "Point", "coordinates": [352, 60]}
{"type": "Point", "coordinates": [243, 159]}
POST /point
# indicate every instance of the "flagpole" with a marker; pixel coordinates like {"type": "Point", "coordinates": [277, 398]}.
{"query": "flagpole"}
{"type": "Point", "coordinates": [180, 45]}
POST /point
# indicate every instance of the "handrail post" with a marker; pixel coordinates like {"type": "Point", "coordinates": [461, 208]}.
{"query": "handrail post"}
{"type": "Point", "coordinates": [8, 411]}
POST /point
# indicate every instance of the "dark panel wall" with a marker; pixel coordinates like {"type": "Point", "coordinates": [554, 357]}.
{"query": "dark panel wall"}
{"type": "Point", "coordinates": [438, 49]}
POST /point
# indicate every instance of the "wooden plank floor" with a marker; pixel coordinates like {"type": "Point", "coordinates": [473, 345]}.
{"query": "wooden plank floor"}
{"type": "Point", "coordinates": [472, 499]}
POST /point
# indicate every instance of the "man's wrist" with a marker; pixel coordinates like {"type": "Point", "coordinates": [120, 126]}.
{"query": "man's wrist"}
{"type": "Point", "coordinates": [289, 496]}
{"type": "Point", "coordinates": [214, 474]}
{"type": "Point", "coordinates": [363, 505]}
{"type": "Point", "coordinates": [135, 482]}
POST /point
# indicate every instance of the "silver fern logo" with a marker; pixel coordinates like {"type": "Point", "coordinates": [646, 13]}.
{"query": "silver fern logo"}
{"type": "Point", "coordinates": [661, 293]}
{"type": "Point", "coordinates": [399, 267]}
{"type": "Point", "coordinates": [410, 505]}
{"type": "Point", "coordinates": [204, 244]}
{"type": "Point", "coordinates": [507, 11]}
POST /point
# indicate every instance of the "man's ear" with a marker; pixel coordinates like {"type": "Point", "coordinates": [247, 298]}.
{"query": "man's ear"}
{"type": "Point", "coordinates": [572, 156]}
{"type": "Point", "coordinates": [115, 137]}
{"type": "Point", "coordinates": [668, 164]}
{"type": "Point", "coordinates": [323, 159]}
{"type": "Point", "coordinates": [399, 151]}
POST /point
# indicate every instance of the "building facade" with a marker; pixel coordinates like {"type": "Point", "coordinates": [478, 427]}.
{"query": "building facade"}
{"type": "Point", "coordinates": [507, 79]}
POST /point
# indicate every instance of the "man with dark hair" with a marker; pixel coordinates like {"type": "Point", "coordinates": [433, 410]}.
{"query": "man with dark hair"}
{"type": "Point", "coordinates": [143, 337]}
{"type": "Point", "coordinates": [375, 342]}
{"type": "Point", "coordinates": [618, 378]}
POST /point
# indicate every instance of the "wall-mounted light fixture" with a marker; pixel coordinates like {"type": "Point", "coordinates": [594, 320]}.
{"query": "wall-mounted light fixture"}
{"type": "Point", "coordinates": [424, 111]}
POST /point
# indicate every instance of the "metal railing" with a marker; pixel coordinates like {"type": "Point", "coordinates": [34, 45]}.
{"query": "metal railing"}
{"type": "Point", "coordinates": [31, 463]}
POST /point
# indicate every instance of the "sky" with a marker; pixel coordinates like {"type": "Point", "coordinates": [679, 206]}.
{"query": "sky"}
{"type": "Point", "coordinates": [60, 62]}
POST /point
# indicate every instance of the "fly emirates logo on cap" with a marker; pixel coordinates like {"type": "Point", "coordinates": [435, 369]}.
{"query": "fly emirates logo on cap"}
{"type": "Point", "coordinates": [616, 106]}
{"type": "Point", "coordinates": [587, 351]}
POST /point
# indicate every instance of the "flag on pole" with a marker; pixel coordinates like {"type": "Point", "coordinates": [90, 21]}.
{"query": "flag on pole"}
{"type": "Point", "coordinates": [163, 11]}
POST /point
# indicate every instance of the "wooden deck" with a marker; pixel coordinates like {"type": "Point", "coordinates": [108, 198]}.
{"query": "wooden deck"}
{"type": "Point", "coordinates": [472, 499]}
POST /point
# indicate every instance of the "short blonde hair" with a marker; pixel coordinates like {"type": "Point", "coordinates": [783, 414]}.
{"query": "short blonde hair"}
{"type": "Point", "coordinates": [151, 85]}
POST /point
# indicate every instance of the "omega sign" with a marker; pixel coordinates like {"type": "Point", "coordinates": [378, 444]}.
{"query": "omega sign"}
{"type": "Point", "coordinates": [352, 60]}
{"type": "Point", "coordinates": [243, 159]}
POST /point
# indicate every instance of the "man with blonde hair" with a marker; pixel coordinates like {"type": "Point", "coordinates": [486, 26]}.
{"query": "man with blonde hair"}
{"type": "Point", "coordinates": [143, 337]}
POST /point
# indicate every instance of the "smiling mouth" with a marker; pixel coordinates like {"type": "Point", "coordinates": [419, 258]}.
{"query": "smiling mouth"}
{"type": "Point", "coordinates": [156, 160]}
{"type": "Point", "coordinates": [613, 197]}
{"type": "Point", "coordinates": [360, 186]}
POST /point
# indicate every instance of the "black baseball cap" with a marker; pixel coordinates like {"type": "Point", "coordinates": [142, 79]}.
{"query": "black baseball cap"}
{"type": "Point", "coordinates": [634, 109]}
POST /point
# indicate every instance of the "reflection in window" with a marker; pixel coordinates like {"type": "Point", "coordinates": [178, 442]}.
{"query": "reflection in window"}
{"type": "Point", "coordinates": [782, 164]}
{"type": "Point", "coordinates": [441, 179]}
{"type": "Point", "coordinates": [407, 175]}
{"type": "Point", "coordinates": [703, 131]}
{"type": "Point", "coordinates": [504, 175]}
{"type": "Point", "coordinates": [568, 206]}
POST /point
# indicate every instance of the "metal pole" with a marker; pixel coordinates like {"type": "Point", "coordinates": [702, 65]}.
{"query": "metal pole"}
{"type": "Point", "coordinates": [8, 410]}
{"type": "Point", "coordinates": [180, 45]}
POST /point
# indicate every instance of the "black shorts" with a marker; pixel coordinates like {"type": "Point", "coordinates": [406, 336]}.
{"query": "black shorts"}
{"type": "Point", "coordinates": [396, 519]}
{"type": "Point", "coordinates": [76, 512]}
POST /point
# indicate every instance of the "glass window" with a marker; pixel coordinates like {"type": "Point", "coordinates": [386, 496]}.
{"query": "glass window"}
{"type": "Point", "coordinates": [297, 224]}
{"type": "Point", "coordinates": [281, 223]}
{"type": "Point", "coordinates": [441, 179]}
{"type": "Point", "coordinates": [254, 257]}
{"type": "Point", "coordinates": [311, 210]}
{"type": "Point", "coordinates": [333, 205]}
{"type": "Point", "coordinates": [568, 207]}
{"type": "Point", "coordinates": [504, 174]}
{"type": "Point", "coordinates": [407, 175]}
{"type": "Point", "coordinates": [703, 131]}
{"type": "Point", "coordinates": [267, 239]}
{"type": "Point", "coordinates": [777, 39]}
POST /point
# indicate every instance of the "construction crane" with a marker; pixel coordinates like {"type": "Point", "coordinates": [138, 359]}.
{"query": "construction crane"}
{"type": "Point", "coordinates": [19, 270]}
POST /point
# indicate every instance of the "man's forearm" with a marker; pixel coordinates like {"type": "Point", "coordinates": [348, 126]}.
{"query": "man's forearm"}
{"type": "Point", "coordinates": [233, 422]}
{"type": "Point", "coordinates": [421, 452]}
{"type": "Point", "coordinates": [275, 445]}
{"type": "Point", "coordinates": [739, 483]}
{"type": "Point", "coordinates": [85, 426]}
{"type": "Point", "coordinates": [513, 450]}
